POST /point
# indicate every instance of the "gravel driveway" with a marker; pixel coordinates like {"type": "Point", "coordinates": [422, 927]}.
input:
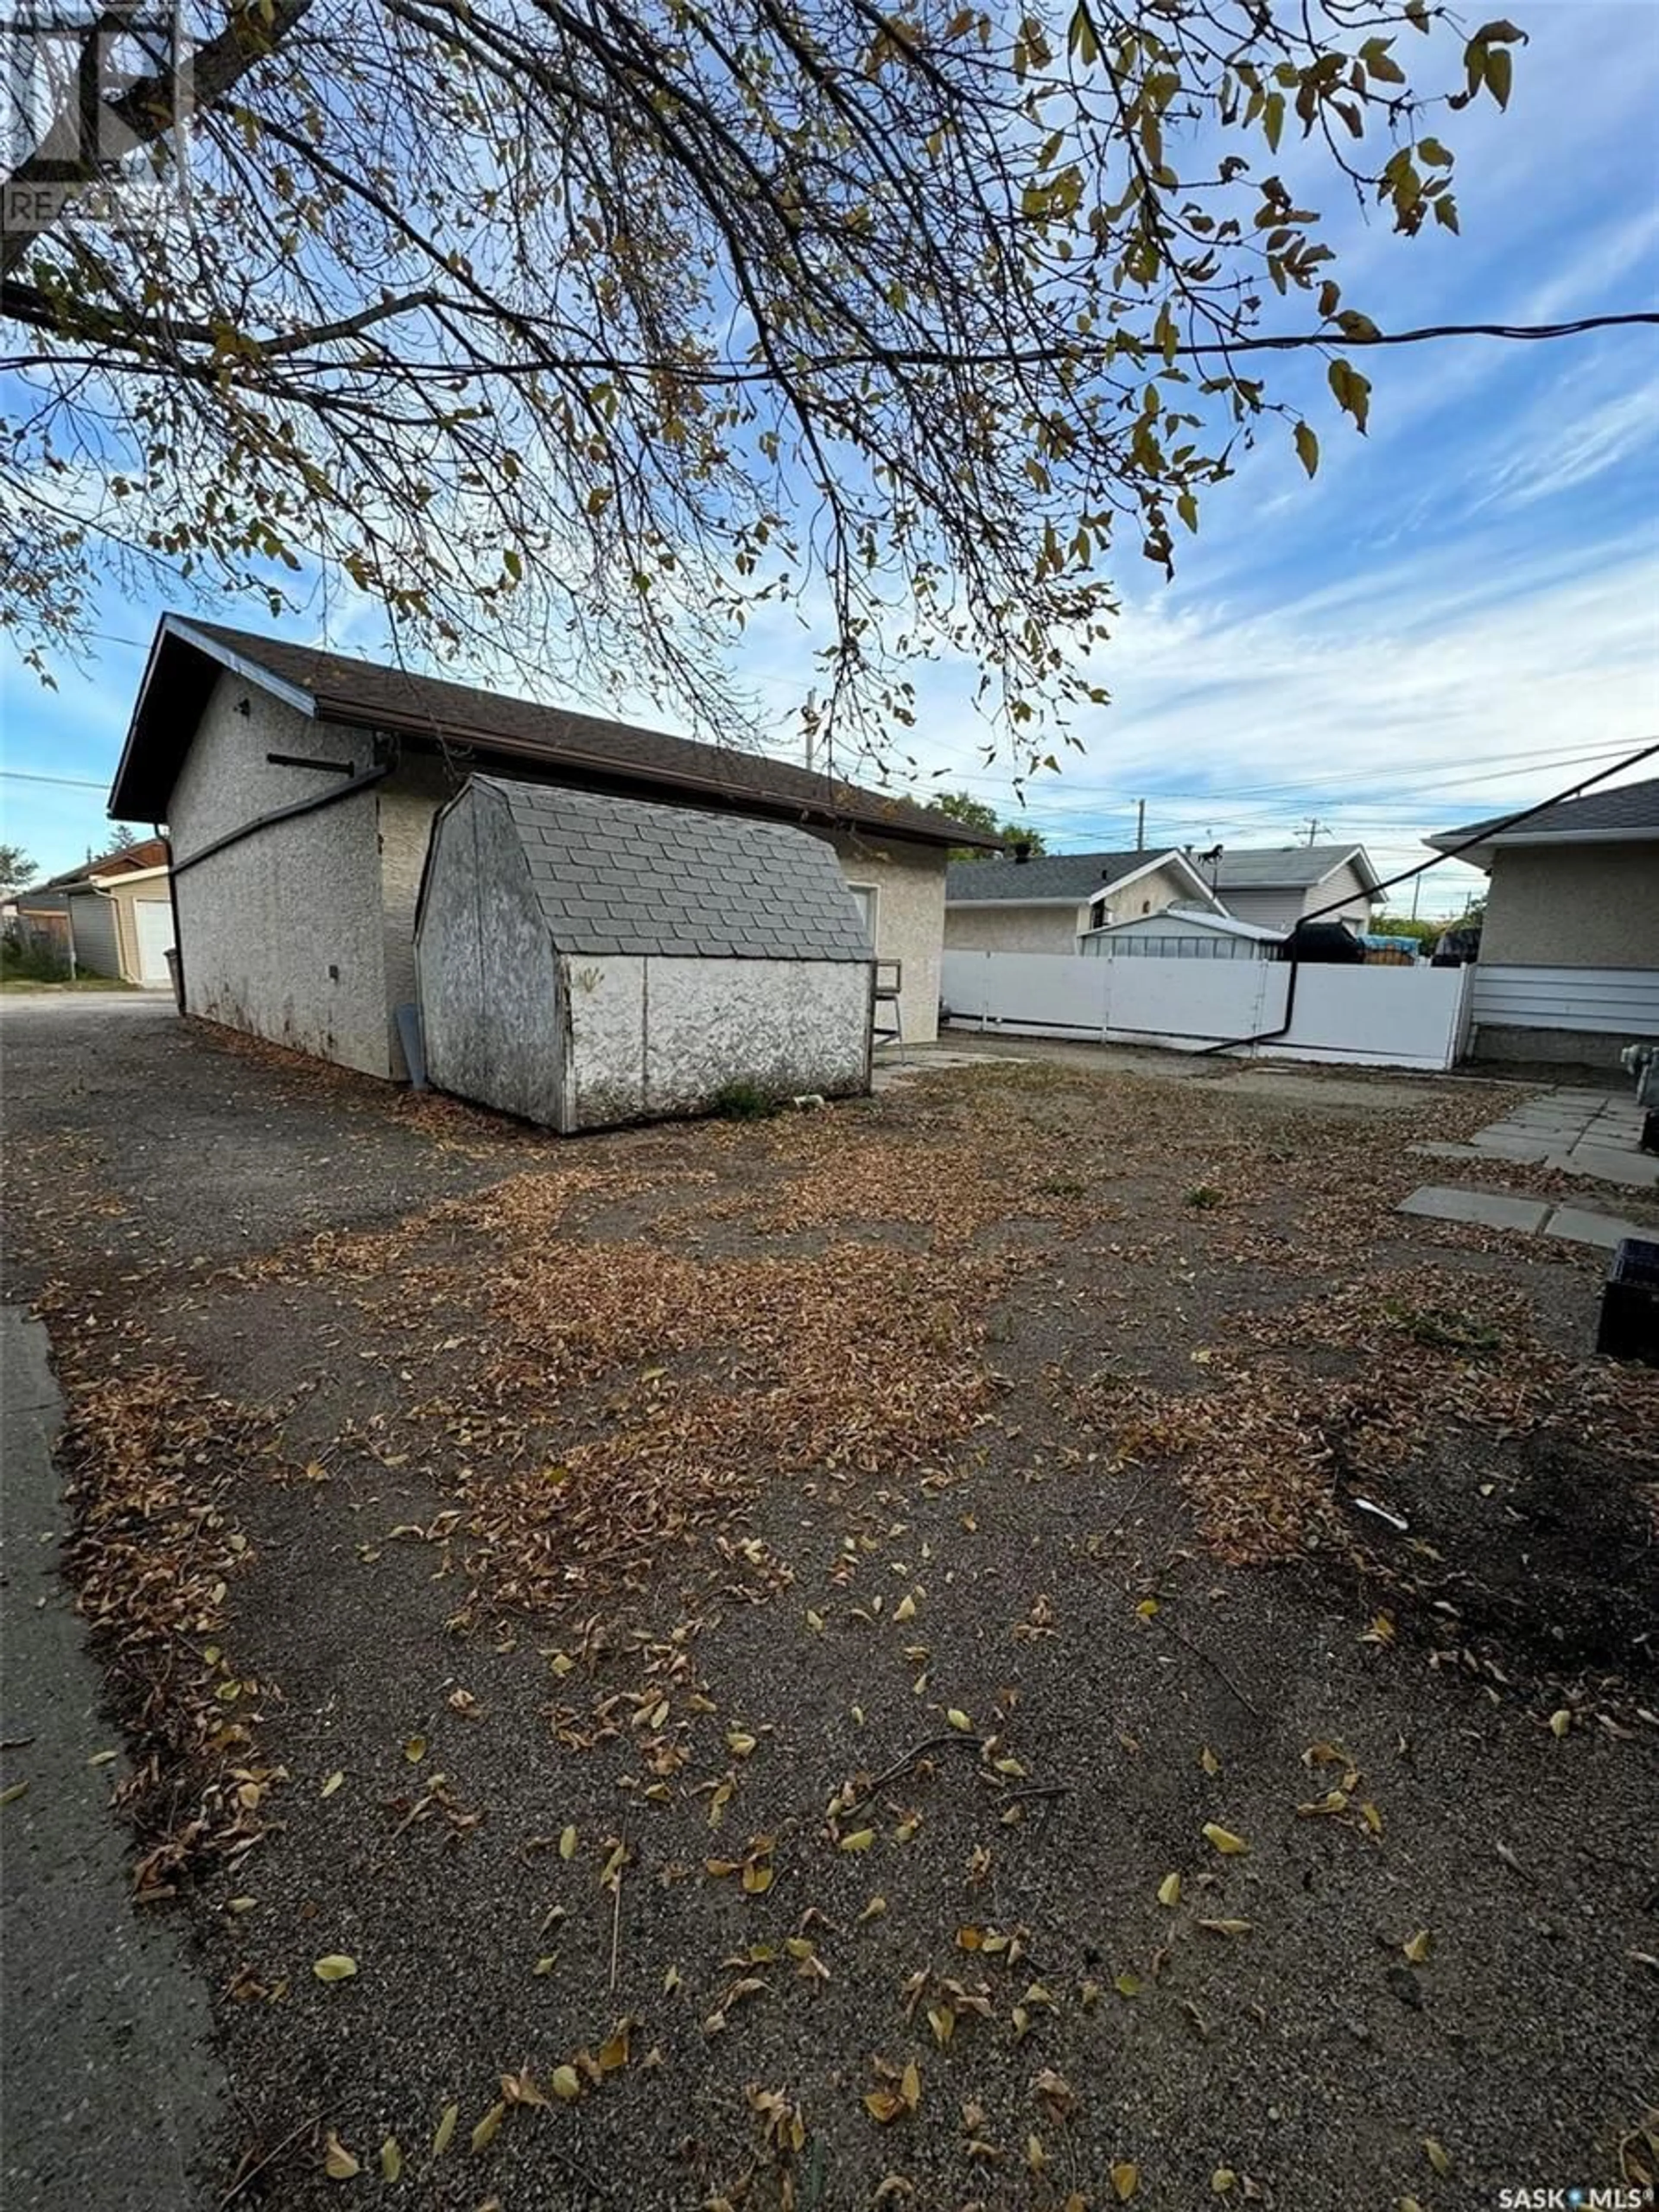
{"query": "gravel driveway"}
{"type": "Point", "coordinates": [840, 1660]}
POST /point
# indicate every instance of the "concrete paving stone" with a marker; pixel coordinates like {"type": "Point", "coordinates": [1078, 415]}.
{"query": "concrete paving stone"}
{"type": "Point", "coordinates": [1580, 1226]}
{"type": "Point", "coordinates": [1445, 1152]}
{"type": "Point", "coordinates": [1503, 1145]}
{"type": "Point", "coordinates": [1611, 1164]}
{"type": "Point", "coordinates": [1491, 1209]}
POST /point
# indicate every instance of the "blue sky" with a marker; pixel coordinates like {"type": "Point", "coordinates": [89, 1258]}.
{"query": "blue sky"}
{"type": "Point", "coordinates": [1462, 606]}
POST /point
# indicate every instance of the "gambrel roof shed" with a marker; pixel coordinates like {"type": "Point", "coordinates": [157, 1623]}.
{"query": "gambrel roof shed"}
{"type": "Point", "coordinates": [585, 959]}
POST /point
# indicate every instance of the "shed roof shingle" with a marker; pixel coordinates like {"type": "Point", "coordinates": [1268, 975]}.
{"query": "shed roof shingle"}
{"type": "Point", "coordinates": [623, 875]}
{"type": "Point", "coordinates": [187, 656]}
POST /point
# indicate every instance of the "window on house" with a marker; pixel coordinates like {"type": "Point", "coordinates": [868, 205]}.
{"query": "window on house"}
{"type": "Point", "coordinates": [864, 898]}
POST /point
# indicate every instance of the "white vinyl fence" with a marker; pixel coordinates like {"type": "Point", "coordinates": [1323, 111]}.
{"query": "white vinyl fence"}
{"type": "Point", "coordinates": [1388, 1016]}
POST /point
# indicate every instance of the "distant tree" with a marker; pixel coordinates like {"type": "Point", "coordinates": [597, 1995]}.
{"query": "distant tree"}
{"type": "Point", "coordinates": [1024, 833]}
{"type": "Point", "coordinates": [963, 807]}
{"type": "Point", "coordinates": [1405, 924]}
{"type": "Point", "coordinates": [16, 870]}
{"type": "Point", "coordinates": [122, 838]}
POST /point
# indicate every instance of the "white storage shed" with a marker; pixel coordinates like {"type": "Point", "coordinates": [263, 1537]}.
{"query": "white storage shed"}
{"type": "Point", "coordinates": [1183, 933]}
{"type": "Point", "coordinates": [586, 960]}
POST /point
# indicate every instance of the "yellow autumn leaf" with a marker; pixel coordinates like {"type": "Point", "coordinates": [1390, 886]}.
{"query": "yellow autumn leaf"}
{"type": "Point", "coordinates": [906, 1608]}
{"type": "Point", "coordinates": [943, 2021]}
{"type": "Point", "coordinates": [1222, 2180]}
{"type": "Point", "coordinates": [672, 1980]}
{"type": "Point", "coordinates": [739, 1743]}
{"type": "Point", "coordinates": [446, 2131]}
{"type": "Point", "coordinates": [1224, 1839]}
{"type": "Point", "coordinates": [484, 2134]}
{"type": "Point", "coordinates": [1439, 2156]}
{"type": "Point", "coordinates": [334, 1966]}
{"type": "Point", "coordinates": [566, 2084]}
{"type": "Point", "coordinates": [1208, 1761]}
{"type": "Point", "coordinates": [337, 2162]}
{"type": "Point", "coordinates": [613, 2053]}
{"type": "Point", "coordinates": [613, 1865]}
{"type": "Point", "coordinates": [910, 2086]}
{"type": "Point", "coordinates": [756, 1879]}
{"type": "Point", "coordinates": [1127, 1984]}
{"type": "Point", "coordinates": [1168, 1890]}
{"type": "Point", "coordinates": [391, 2159]}
{"type": "Point", "coordinates": [814, 1621]}
{"type": "Point", "coordinates": [1036, 2157]}
{"type": "Point", "coordinates": [874, 1909]}
{"type": "Point", "coordinates": [415, 1750]}
{"type": "Point", "coordinates": [959, 1720]}
{"type": "Point", "coordinates": [859, 1840]}
{"type": "Point", "coordinates": [882, 2104]}
{"type": "Point", "coordinates": [1416, 1948]}
{"type": "Point", "coordinates": [568, 1842]}
{"type": "Point", "coordinates": [1560, 1722]}
{"type": "Point", "coordinates": [1227, 1927]}
{"type": "Point", "coordinates": [1126, 2179]}
{"type": "Point", "coordinates": [332, 1783]}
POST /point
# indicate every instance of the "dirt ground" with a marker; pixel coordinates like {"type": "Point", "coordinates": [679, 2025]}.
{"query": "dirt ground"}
{"type": "Point", "coordinates": [850, 1659]}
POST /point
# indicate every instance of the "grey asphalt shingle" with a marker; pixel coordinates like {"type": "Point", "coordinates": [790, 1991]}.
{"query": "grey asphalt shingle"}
{"type": "Point", "coordinates": [1628, 808]}
{"type": "Point", "coordinates": [623, 875]}
{"type": "Point", "coordinates": [1049, 876]}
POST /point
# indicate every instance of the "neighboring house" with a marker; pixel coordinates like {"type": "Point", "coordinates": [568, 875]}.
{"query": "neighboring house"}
{"type": "Point", "coordinates": [1047, 903]}
{"type": "Point", "coordinates": [587, 960]}
{"type": "Point", "coordinates": [300, 789]}
{"type": "Point", "coordinates": [1184, 934]}
{"type": "Point", "coordinates": [1568, 963]}
{"type": "Point", "coordinates": [113, 917]}
{"type": "Point", "coordinates": [1277, 887]}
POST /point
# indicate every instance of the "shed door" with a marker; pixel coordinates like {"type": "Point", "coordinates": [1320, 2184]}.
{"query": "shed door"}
{"type": "Point", "coordinates": [154, 920]}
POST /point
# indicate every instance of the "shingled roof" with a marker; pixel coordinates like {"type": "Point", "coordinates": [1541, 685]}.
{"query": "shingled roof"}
{"type": "Point", "coordinates": [620, 875]}
{"type": "Point", "coordinates": [1629, 810]}
{"type": "Point", "coordinates": [426, 711]}
{"type": "Point", "coordinates": [1288, 867]}
{"type": "Point", "coordinates": [1067, 878]}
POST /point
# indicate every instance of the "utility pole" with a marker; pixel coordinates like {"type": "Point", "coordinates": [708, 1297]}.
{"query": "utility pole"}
{"type": "Point", "coordinates": [1315, 825]}
{"type": "Point", "coordinates": [1140, 825]}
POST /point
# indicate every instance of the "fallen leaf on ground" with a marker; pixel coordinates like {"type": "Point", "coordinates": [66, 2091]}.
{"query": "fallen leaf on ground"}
{"type": "Point", "coordinates": [484, 2134]}
{"type": "Point", "coordinates": [331, 1784]}
{"type": "Point", "coordinates": [446, 2131]}
{"type": "Point", "coordinates": [567, 1844]}
{"type": "Point", "coordinates": [391, 2159]}
{"type": "Point", "coordinates": [1416, 1948]}
{"type": "Point", "coordinates": [337, 2162]}
{"type": "Point", "coordinates": [566, 2084]}
{"type": "Point", "coordinates": [334, 1966]}
{"type": "Point", "coordinates": [859, 1840]}
{"type": "Point", "coordinates": [1224, 1839]}
{"type": "Point", "coordinates": [1126, 2179]}
{"type": "Point", "coordinates": [1168, 1890]}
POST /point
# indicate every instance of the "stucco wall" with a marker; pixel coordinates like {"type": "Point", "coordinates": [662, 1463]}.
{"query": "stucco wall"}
{"type": "Point", "coordinates": [283, 934]}
{"type": "Point", "coordinates": [1577, 906]}
{"type": "Point", "coordinates": [649, 1037]}
{"type": "Point", "coordinates": [488, 979]}
{"type": "Point", "coordinates": [1014, 928]}
{"type": "Point", "coordinates": [910, 885]}
{"type": "Point", "coordinates": [1148, 894]}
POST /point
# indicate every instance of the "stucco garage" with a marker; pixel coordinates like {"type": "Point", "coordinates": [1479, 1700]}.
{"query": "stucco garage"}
{"type": "Point", "coordinates": [300, 787]}
{"type": "Point", "coordinates": [584, 961]}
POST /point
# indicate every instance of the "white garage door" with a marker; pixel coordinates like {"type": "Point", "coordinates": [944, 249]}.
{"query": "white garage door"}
{"type": "Point", "coordinates": [155, 920]}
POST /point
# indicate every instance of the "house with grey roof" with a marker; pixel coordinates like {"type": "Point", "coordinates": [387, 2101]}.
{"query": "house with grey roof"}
{"type": "Point", "coordinates": [298, 789]}
{"type": "Point", "coordinates": [1046, 902]}
{"type": "Point", "coordinates": [585, 959]}
{"type": "Point", "coordinates": [1279, 886]}
{"type": "Point", "coordinates": [1568, 963]}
